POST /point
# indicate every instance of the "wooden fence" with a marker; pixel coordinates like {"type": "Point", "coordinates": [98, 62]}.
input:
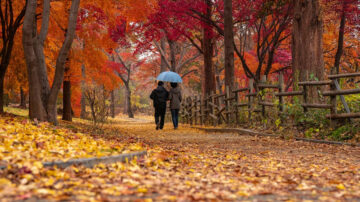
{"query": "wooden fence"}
{"type": "Point", "coordinates": [215, 109]}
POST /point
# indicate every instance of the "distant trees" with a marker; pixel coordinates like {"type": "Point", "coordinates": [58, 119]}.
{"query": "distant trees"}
{"type": "Point", "coordinates": [210, 43]}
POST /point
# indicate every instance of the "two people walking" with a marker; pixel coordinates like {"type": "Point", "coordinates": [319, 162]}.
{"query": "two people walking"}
{"type": "Point", "coordinates": [160, 96]}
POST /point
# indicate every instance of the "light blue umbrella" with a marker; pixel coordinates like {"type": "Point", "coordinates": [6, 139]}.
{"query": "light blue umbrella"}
{"type": "Point", "coordinates": [169, 76]}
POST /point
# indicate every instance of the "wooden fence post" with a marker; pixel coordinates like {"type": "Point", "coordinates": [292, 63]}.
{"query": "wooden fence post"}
{"type": "Point", "coordinates": [213, 108]}
{"type": "Point", "coordinates": [333, 109]}
{"type": "Point", "coordinates": [207, 109]}
{"type": "Point", "coordinates": [281, 89]}
{"type": "Point", "coordinates": [263, 80]}
{"type": "Point", "coordinates": [201, 110]}
{"type": "Point", "coordinates": [227, 104]}
{"type": "Point", "coordinates": [305, 98]}
{"type": "Point", "coordinates": [195, 109]}
{"type": "Point", "coordinates": [236, 94]}
{"type": "Point", "coordinates": [251, 99]}
{"type": "Point", "coordinates": [190, 111]}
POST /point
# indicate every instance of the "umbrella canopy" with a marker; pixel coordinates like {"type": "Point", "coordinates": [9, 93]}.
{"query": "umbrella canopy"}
{"type": "Point", "coordinates": [169, 76]}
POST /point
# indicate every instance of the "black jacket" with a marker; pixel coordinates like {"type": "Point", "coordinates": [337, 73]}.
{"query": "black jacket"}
{"type": "Point", "coordinates": [160, 95]}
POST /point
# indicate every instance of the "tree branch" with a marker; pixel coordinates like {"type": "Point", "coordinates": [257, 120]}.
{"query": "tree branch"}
{"type": "Point", "coordinates": [189, 72]}
{"type": "Point", "coordinates": [162, 53]}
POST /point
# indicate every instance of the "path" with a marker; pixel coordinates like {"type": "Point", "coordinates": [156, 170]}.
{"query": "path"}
{"type": "Point", "coordinates": [199, 166]}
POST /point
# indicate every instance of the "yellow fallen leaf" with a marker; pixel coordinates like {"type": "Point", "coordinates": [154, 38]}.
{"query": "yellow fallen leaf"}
{"type": "Point", "coordinates": [4, 181]}
{"type": "Point", "coordinates": [241, 193]}
{"type": "Point", "coordinates": [142, 190]}
{"type": "Point", "coordinates": [340, 186]}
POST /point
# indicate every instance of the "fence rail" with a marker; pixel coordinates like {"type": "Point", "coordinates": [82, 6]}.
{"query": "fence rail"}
{"type": "Point", "coordinates": [215, 109]}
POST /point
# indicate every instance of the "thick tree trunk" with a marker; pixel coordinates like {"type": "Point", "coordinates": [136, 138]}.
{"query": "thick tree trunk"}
{"type": "Point", "coordinates": [33, 49]}
{"type": "Point", "coordinates": [39, 52]}
{"type": "Point", "coordinates": [172, 47]}
{"type": "Point", "coordinates": [208, 80]}
{"type": "Point", "coordinates": [128, 102]}
{"type": "Point", "coordinates": [163, 65]}
{"type": "Point", "coordinates": [67, 116]}
{"type": "Point", "coordinates": [36, 108]}
{"type": "Point", "coordinates": [1, 94]}
{"type": "Point", "coordinates": [22, 98]}
{"type": "Point", "coordinates": [5, 61]}
{"type": "Point", "coordinates": [83, 99]}
{"type": "Point", "coordinates": [112, 105]}
{"type": "Point", "coordinates": [339, 52]}
{"type": "Point", "coordinates": [229, 44]}
{"type": "Point", "coordinates": [307, 45]}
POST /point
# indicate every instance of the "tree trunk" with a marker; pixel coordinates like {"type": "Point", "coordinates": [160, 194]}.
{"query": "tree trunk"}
{"type": "Point", "coordinates": [128, 101]}
{"type": "Point", "coordinates": [112, 105]}
{"type": "Point", "coordinates": [163, 65]}
{"type": "Point", "coordinates": [172, 47]}
{"type": "Point", "coordinates": [9, 26]}
{"type": "Point", "coordinates": [83, 99]}
{"type": "Point", "coordinates": [33, 50]}
{"type": "Point", "coordinates": [60, 62]}
{"type": "Point", "coordinates": [36, 108]}
{"type": "Point", "coordinates": [339, 52]}
{"type": "Point", "coordinates": [307, 45]}
{"type": "Point", "coordinates": [229, 44]}
{"type": "Point", "coordinates": [39, 52]}
{"type": "Point", "coordinates": [208, 81]}
{"type": "Point", "coordinates": [22, 98]}
{"type": "Point", "coordinates": [67, 101]}
{"type": "Point", "coordinates": [1, 94]}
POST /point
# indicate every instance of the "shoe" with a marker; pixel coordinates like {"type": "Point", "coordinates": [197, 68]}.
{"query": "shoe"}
{"type": "Point", "coordinates": [157, 126]}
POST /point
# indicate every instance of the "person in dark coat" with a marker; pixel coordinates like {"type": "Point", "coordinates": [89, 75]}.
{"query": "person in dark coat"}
{"type": "Point", "coordinates": [159, 96]}
{"type": "Point", "coordinates": [175, 100]}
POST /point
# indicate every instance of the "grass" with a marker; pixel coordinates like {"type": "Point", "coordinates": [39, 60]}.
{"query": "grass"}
{"type": "Point", "coordinates": [17, 111]}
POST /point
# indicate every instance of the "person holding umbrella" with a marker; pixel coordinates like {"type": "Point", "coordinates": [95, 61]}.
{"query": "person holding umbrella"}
{"type": "Point", "coordinates": [160, 95]}
{"type": "Point", "coordinates": [175, 100]}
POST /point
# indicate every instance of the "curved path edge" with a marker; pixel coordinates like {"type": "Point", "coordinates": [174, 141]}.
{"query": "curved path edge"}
{"type": "Point", "coordinates": [90, 162]}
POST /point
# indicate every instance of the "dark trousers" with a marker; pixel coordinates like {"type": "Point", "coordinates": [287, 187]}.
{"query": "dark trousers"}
{"type": "Point", "coordinates": [160, 114]}
{"type": "Point", "coordinates": [175, 117]}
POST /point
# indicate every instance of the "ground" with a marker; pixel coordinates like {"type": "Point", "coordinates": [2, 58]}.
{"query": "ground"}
{"type": "Point", "coordinates": [187, 164]}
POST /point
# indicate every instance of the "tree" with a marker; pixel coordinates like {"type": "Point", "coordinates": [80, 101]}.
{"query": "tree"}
{"type": "Point", "coordinates": [265, 21]}
{"type": "Point", "coordinates": [229, 44]}
{"type": "Point", "coordinates": [346, 12]}
{"type": "Point", "coordinates": [11, 17]}
{"type": "Point", "coordinates": [124, 64]}
{"type": "Point", "coordinates": [178, 56]}
{"type": "Point", "coordinates": [42, 97]}
{"type": "Point", "coordinates": [307, 44]}
{"type": "Point", "coordinates": [16, 75]}
{"type": "Point", "coordinates": [173, 23]}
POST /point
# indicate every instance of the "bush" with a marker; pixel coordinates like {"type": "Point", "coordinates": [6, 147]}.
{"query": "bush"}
{"type": "Point", "coordinates": [97, 99]}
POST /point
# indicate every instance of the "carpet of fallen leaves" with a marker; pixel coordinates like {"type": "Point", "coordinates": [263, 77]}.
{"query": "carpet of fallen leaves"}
{"type": "Point", "coordinates": [182, 165]}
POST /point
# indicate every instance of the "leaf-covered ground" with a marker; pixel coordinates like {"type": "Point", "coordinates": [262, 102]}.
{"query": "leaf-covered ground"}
{"type": "Point", "coordinates": [186, 164]}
